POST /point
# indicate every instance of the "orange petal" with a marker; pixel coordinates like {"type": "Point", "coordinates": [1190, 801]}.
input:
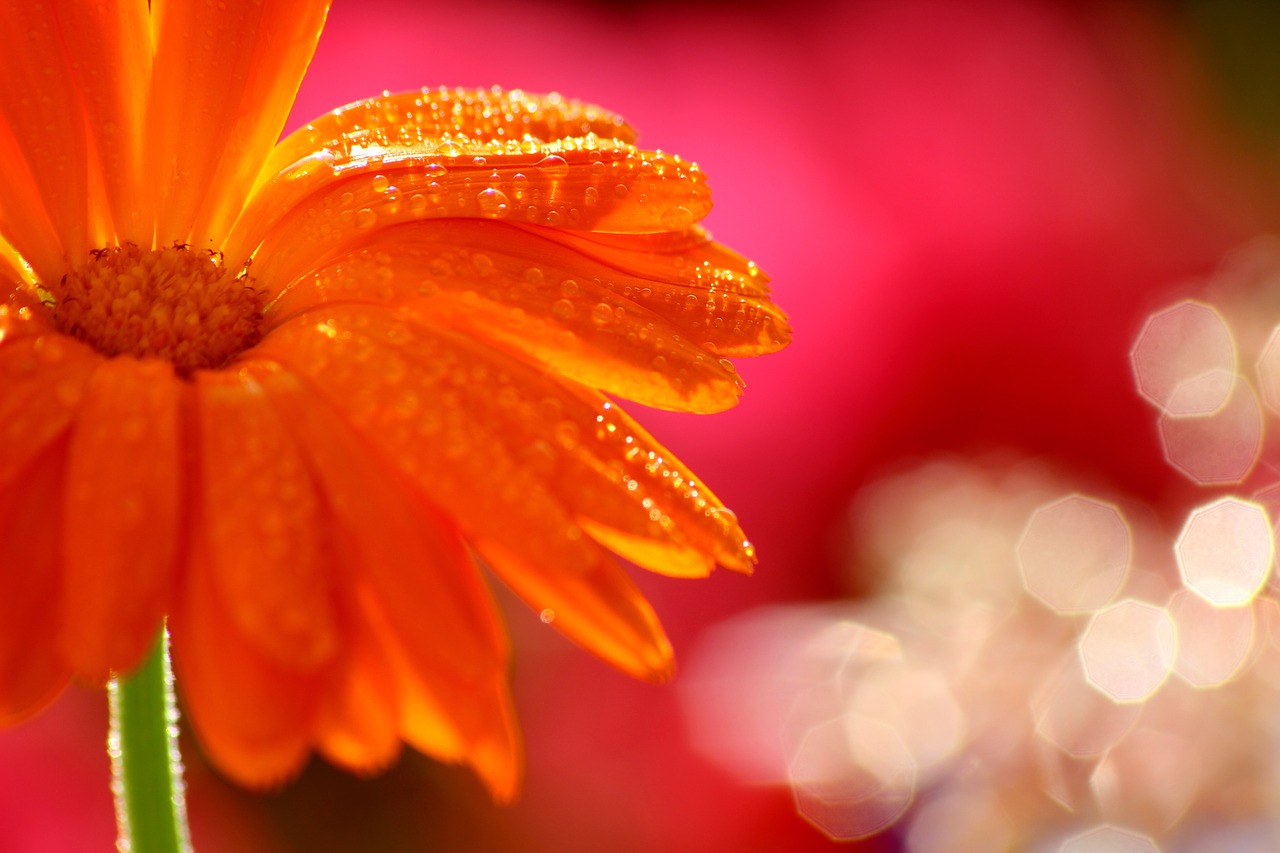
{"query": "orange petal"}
{"type": "Point", "coordinates": [471, 425]}
{"type": "Point", "coordinates": [24, 223]}
{"type": "Point", "coordinates": [365, 131]}
{"type": "Point", "coordinates": [269, 548]}
{"type": "Point", "coordinates": [711, 296]}
{"type": "Point", "coordinates": [740, 318]}
{"type": "Point", "coordinates": [526, 293]}
{"type": "Point", "coordinates": [224, 79]}
{"type": "Point", "coordinates": [407, 553]}
{"type": "Point", "coordinates": [44, 182]}
{"type": "Point", "coordinates": [42, 379]}
{"type": "Point", "coordinates": [410, 120]}
{"type": "Point", "coordinates": [434, 416]}
{"type": "Point", "coordinates": [597, 606]}
{"type": "Point", "coordinates": [581, 183]}
{"type": "Point", "coordinates": [417, 587]}
{"type": "Point", "coordinates": [253, 718]}
{"type": "Point", "coordinates": [120, 528]}
{"type": "Point", "coordinates": [111, 45]}
{"type": "Point", "coordinates": [14, 270]}
{"type": "Point", "coordinates": [358, 727]}
{"type": "Point", "coordinates": [452, 720]}
{"type": "Point", "coordinates": [31, 673]}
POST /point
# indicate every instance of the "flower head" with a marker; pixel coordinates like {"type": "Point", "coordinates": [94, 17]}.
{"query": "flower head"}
{"type": "Point", "coordinates": [290, 396]}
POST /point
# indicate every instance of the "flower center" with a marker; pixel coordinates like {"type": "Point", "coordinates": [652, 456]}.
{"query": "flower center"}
{"type": "Point", "coordinates": [175, 304]}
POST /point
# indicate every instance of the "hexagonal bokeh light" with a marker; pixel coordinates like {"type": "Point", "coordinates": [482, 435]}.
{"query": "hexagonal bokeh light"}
{"type": "Point", "coordinates": [1225, 551]}
{"type": "Point", "coordinates": [967, 817]}
{"type": "Point", "coordinates": [1213, 642]}
{"type": "Point", "coordinates": [1269, 371]}
{"type": "Point", "coordinates": [1184, 360]}
{"type": "Point", "coordinates": [1074, 554]}
{"type": "Point", "coordinates": [1128, 650]}
{"type": "Point", "coordinates": [1073, 716]}
{"type": "Point", "coordinates": [1109, 839]}
{"type": "Point", "coordinates": [1148, 780]}
{"type": "Point", "coordinates": [959, 717]}
{"type": "Point", "coordinates": [918, 704]}
{"type": "Point", "coordinates": [852, 777]}
{"type": "Point", "coordinates": [1219, 448]}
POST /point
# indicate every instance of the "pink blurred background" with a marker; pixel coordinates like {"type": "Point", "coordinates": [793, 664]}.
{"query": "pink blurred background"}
{"type": "Point", "coordinates": [967, 209]}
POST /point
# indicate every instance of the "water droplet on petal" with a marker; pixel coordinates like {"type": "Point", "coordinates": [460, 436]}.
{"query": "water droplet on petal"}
{"type": "Point", "coordinates": [677, 218]}
{"type": "Point", "coordinates": [493, 203]}
{"type": "Point", "coordinates": [554, 165]}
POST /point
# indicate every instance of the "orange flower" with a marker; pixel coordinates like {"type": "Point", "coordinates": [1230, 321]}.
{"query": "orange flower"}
{"type": "Point", "coordinates": [290, 397]}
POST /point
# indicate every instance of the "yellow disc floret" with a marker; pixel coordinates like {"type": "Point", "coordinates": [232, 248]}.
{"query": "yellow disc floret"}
{"type": "Point", "coordinates": [175, 304]}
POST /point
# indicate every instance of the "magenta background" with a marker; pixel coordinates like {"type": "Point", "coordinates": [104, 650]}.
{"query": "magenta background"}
{"type": "Point", "coordinates": [967, 210]}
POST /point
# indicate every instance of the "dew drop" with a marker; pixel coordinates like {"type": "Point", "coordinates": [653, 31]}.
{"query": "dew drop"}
{"type": "Point", "coordinates": [563, 309]}
{"type": "Point", "coordinates": [569, 288]}
{"type": "Point", "coordinates": [49, 349]}
{"type": "Point", "coordinates": [366, 219]}
{"type": "Point", "coordinates": [601, 314]}
{"type": "Point", "coordinates": [566, 433]}
{"type": "Point", "coordinates": [591, 196]}
{"type": "Point", "coordinates": [554, 165]}
{"type": "Point", "coordinates": [677, 218]}
{"type": "Point", "coordinates": [493, 203]}
{"type": "Point", "coordinates": [380, 183]}
{"type": "Point", "coordinates": [418, 203]}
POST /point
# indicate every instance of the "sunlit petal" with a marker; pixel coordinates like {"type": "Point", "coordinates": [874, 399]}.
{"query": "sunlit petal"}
{"type": "Point", "coordinates": [44, 376]}
{"type": "Point", "coordinates": [31, 671]}
{"type": "Point", "coordinates": [361, 133]}
{"type": "Point", "coordinates": [580, 182]}
{"type": "Point", "coordinates": [44, 153]}
{"type": "Point", "coordinates": [254, 717]}
{"type": "Point", "coordinates": [123, 454]}
{"type": "Point", "coordinates": [111, 44]}
{"type": "Point", "coordinates": [270, 553]}
{"type": "Point", "coordinates": [523, 292]}
{"type": "Point", "coordinates": [224, 80]}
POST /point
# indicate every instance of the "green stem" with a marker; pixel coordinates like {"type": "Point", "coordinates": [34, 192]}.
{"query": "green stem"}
{"type": "Point", "coordinates": [151, 810]}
